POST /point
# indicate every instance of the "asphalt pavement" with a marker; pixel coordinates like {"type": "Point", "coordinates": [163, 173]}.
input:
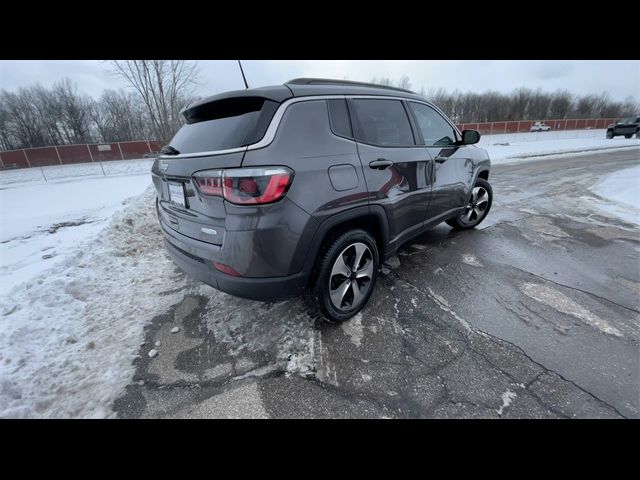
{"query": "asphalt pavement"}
{"type": "Point", "coordinates": [534, 314]}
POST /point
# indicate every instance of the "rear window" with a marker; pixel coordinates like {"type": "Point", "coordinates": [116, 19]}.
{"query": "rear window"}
{"type": "Point", "coordinates": [224, 124]}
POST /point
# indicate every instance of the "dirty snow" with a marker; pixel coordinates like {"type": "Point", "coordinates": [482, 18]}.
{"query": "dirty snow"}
{"type": "Point", "coordinates": [354, 330]}
{"type": "Point", "coordinates": [620, 192]}
{"type": "Point", "coordinates": [507, 398]}
{"type": "Point", "coordinates": [41, 222]}
{"type": "Point", "coordinates": [472, 260]}
{"type": "Point", "coordinates": [246, 326]}
{"type": "Point", "coordinates": [69, 336]}
{"type": "Point", "coordinates": [518, 147]}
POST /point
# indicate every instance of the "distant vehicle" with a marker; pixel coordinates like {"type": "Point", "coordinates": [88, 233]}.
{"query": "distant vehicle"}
{"type": "Point", "coordinates": [627, 127]}
{"type": "Point", "coordinates": [540, 127]}
{"type": "Point", "coordinates": [151, 155]}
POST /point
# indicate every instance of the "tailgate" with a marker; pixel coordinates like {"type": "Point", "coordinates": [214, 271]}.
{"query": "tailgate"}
{"type": "Point", "coordinates": [181, 207]}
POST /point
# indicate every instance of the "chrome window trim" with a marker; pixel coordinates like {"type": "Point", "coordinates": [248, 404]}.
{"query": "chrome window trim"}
{"type": "Point", "coordinates": [270, 134]}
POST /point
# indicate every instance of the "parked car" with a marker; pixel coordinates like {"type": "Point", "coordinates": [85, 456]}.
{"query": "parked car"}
{"type": "Point", "coordinates": [305, 188]}
{"type": "Point", "coordinates": [539, 127]}
{"type": "Point", "coordinates": [627, 127]}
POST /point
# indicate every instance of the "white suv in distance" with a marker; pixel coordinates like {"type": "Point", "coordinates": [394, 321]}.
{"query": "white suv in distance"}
{"type": "Point", "coordinates": [539, 127]}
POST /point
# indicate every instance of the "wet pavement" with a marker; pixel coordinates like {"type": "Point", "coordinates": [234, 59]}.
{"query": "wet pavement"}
{"type": "Point", "coordinates": [534, 314]}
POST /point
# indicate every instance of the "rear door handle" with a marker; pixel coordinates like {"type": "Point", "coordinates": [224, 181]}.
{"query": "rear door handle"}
{"type": "Point", "coordinates": [380, 164]}
{"type": "Point", "coordinates": [441, 159]}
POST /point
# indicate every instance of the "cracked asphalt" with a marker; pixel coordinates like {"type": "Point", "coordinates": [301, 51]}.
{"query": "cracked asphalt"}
{"type": "Point", "coordinates": [534, 314]}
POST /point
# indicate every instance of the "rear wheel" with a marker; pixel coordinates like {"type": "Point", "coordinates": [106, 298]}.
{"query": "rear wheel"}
{"type": "Point", "coordinates": [476, 209]}
{"type": "Point", "coordinates": [344, 276]}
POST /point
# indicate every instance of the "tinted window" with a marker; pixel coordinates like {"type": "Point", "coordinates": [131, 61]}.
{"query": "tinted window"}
{"type": "Point", "coordinates": [228, 123]}
{"type": "Point", "coordinates": [383, 122]}
{"type": "Point", "coordinates": [435, 130]}
{"type": "Point", "coordinates": [339, 117]}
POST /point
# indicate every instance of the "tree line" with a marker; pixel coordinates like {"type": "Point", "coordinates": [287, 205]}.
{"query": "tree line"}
{"type": "Point", "coordinates": [36, 116]}
{"type": "Point", "coordinates": [521, 104]}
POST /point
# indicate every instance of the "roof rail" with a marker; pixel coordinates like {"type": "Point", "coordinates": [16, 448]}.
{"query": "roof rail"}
{"type": "Point", "coordinates": [329, 81]}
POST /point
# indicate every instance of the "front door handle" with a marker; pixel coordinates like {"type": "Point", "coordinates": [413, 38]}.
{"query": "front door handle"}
{"type": "Point", "coordinates": [441, 159]}
{"type": "Point", "coordinates": [380, 164]}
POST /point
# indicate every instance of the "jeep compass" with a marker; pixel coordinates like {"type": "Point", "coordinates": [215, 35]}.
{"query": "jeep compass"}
{"type": "Point", "coordinates": [305, 188]}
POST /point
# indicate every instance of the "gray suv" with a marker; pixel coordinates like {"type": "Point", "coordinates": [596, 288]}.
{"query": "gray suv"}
{"type": "Point", "coordinates": [306, 187]}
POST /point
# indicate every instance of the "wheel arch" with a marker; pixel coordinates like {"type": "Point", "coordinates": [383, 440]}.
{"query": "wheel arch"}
{"type": "Point", "coordinates": [371, 218]}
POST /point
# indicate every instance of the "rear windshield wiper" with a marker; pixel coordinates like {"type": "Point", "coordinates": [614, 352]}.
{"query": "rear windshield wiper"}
{"type": "Point", "coordinates": [169, 150]}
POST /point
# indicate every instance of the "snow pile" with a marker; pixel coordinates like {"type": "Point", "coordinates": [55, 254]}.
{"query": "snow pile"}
{"type": "Point", "coordinates": [517, 147]}
{"type": "Point", "coordinates": [41, 222]}
{"type": "Point", "coordinates": [69, 337]}
{"type": "Point", "coordinates": [621, 194]}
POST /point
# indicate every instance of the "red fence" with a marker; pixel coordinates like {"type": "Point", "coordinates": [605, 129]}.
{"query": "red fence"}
{"type": "Point", "coordinates": [493, 128]}
{"type": "Point", "coordinates": [84, 153]}
{"type": "Point", "coordinates": [68, 154]}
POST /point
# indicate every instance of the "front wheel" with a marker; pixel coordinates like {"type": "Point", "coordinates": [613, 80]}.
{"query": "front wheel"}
{"type": "Point", "coordinates": [476, 209]}
{"type": "Point", "coordinates": [344, 276]}
{"type": "Point", "coordinates": [609, 134]}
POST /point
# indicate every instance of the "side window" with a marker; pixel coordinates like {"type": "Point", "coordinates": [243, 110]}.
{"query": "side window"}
{"type": "Point", "coordinates": [435, 129]}
{"type": "Point", "coordinates": [339, 117]}
{"type": "Point", "coordinates": [383, 122]}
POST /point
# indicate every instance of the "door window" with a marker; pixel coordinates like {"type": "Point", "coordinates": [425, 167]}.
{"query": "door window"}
{"type": "Point", "coordinates": [383, 122]}
{"type": "Point", "coordinates": [435, 130]}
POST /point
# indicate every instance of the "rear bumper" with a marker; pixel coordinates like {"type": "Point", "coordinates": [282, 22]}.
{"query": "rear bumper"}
{"type": "Point", "coordinates": [184, 253]}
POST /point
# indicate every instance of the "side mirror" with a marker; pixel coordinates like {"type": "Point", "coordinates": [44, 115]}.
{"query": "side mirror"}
{"type": "Point", "coordinates": [469, 137]}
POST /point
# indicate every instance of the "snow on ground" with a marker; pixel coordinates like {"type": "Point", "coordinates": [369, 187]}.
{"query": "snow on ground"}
{"type": "Point", "coordinates": [41, 222]}
{"type": "Point", "coordinates": [58, 172]}
{"type": "Point", "coordinates": [69, 336]}
{"type": "Point", "coordinates": [517, 147]}
{"type": "Point", "coordinates": [621, 194]}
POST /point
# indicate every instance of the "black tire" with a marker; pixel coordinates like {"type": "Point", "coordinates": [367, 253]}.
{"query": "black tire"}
{"type": "Point", "coordinates": [460, 222]}
{"type": "Point", "coordinates": [609, 134]}
{"type": "Point", "coordinates": [318, 295]}
{"type": "Point", "coordinates": [629, 136]}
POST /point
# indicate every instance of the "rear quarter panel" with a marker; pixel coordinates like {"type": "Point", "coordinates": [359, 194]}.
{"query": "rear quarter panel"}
{"type": "Point", "coordinates": [304, 142]}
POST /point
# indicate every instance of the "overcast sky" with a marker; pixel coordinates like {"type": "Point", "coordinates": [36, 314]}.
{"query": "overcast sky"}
{"type": "Point", "coordinates": [619, 78]}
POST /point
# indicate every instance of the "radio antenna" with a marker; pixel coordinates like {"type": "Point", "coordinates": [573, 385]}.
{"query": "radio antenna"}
{"type": "Point", "coordinates": [243, 77]}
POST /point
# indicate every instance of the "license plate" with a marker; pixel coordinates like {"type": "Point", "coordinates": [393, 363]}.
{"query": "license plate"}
{"type": "Point", "coordinates": [176, 194]}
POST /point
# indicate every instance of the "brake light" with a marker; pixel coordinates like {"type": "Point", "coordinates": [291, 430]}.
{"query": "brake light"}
{"type": "Point", "coordinates": [246, 186]}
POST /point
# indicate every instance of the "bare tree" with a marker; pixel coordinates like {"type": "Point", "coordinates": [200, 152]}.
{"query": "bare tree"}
{"type": "Point", "coordinates": [404, 83]}
{"type": "Point", "coordinates": [74, 111]}
{"type": "Point", "coordinates": [383, 81]}
{"type": "Point", "coordinates": [120, 116]}
{"type": "Point", "coordinates": [164, 86]}
{"type": "Point", "coordinates": [561, 102]}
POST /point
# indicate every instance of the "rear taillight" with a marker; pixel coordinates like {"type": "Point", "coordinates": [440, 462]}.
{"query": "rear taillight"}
{"type": "Point", "coordinates": [245, 186]}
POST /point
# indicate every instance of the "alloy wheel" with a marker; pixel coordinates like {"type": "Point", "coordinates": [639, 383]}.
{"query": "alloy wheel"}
{"type": "Point", "coordinates": [474, 210]}
{"type": "Point", "coordinates": [351, 275]}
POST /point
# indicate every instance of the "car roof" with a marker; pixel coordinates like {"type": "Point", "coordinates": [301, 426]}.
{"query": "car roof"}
{"type": "Point", "coordinates": [302, 87]}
